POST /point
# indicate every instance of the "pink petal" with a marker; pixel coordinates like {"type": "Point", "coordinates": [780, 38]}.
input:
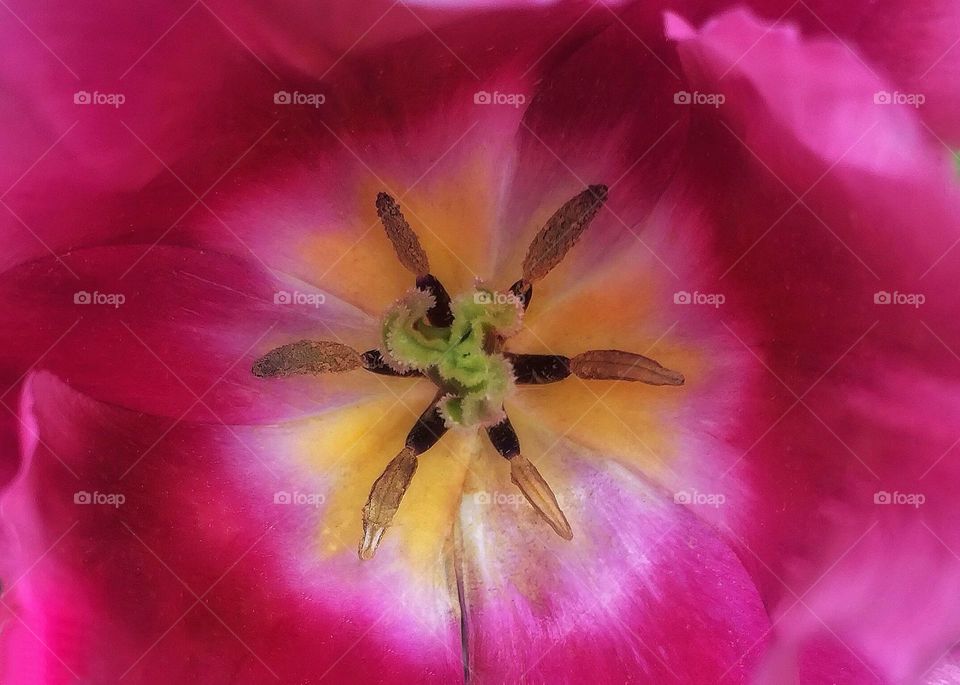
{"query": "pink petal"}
{"type": "Point", "coordinates": [879, 202]}
{"type": "Point", "coordinates": [309, 209]}
{"type": "Point", "coordinates": [136, 171]}
{"type": "Point", "coordinates": [95, 591]}
{"type": "Point", "coordinates": [603, 115]}
{"type": "Point", "coordinates": [174, 332]}
{"type": "Point", "coordinates": [644, 590]}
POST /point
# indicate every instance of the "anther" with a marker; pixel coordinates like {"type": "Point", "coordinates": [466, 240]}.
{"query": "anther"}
{"type": "Point", "coordinates": [388, 490]}
{"type": "Point", "coordinates": [405, 241]}
{"type": "Point", "coordinates": [526, 477]}
{"type": "Point", "coordinates": [384, 500]}
{"type": "Point", "coordinates": [561, 232]}
{"type": "Point", "coordinates": [616, 365]}
{"type": "Point", "coordinates": [306, 357]}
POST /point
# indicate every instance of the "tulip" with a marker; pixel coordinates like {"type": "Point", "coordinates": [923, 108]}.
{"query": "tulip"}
{"type": "Point", "coordinates": [515, 343]}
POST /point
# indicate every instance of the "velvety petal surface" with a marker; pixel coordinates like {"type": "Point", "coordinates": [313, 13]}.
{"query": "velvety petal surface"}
{"type": "Point", "coordinates": [837, 216]}
{"type": "Point", "coordinates": [756, 489]}
{"type": "Point", "coordinates": [103, 579]}
{"type": "Point", "coordinates": [174, 332]}
{"type": "Point", "coordinates": [644, 592]}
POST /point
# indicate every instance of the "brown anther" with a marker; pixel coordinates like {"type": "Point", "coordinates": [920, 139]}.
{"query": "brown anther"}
{"type": "Point", "coordinates": [548, 248]}
{"type": "Point", "coordinates": [526, 477]}
{"type": "Point", "coordinates": [615, 365]}
{"type": "Point", "coordinates": [405, 241]}
{"type": "Point", "coordinates": [390, 487]}
{"type": "Point", "coordinates": [384, 500]}
{"type": "Point", "coordinates": [561, 232]}
{"type": "Point", "coordinates": [307, 357]}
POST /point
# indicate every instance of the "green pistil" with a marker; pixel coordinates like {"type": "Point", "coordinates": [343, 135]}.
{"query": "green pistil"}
{"type": "Point", "coordinates": [463, 360]}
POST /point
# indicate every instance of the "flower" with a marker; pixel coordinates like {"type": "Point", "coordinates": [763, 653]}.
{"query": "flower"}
{"type": "Point", "coordinates": [779, 227]}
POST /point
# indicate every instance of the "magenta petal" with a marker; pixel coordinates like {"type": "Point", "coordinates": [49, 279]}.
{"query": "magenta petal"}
{"type": "Point", "coordinates": [916, 43]}
{"type": "Point", "coordinates": [97, 589]}
{"type": "Point", "coordinates": [644, 589]}
{"type": "Point", "coordinates": [876, 214]}
{"type": "Point", "coordinates": [174, 332]}
{"type": "Point", "coordinates": [602, 115]}
{"type": "Point", "coordinates": [166, 77]}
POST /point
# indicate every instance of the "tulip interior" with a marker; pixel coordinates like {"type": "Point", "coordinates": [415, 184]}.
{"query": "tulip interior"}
{"type": "Point", "coordinates": [458, 344]}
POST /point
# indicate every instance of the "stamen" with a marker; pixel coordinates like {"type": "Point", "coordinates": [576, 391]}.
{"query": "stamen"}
{"type": "Point", "coordinates": [615, 365]}
{"type": "Point", "coordinates": [537, 369]}
{"type": "Point", "coordinates": [561, 232]}
{"type": "Point", "coordinates": [504, 439]}
{"type": "Point", "coordinates": [457, 343]}
{"type": "Point", "coordinates": [306, 357]}
{"type": "Point", "coordinates": [405, 241]}
{"type": "Point", "coordinates": [384, 500]}
{"type": "Point", "coordinates": [388, 490]}
{"type": "Point", "coordinates": [440, 313]}
{"type": "Point", "coordinates": [523, 291]}
{"type": "Point", "coordinates": [526, 477]}
{"type": "Point", "coordinates": [428, 429]}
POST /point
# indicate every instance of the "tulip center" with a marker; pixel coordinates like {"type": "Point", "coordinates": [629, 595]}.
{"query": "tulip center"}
{"type": "Point", "coordinates": [462, 358]}
{"type": "Point", "coordinates": [458, 344]}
